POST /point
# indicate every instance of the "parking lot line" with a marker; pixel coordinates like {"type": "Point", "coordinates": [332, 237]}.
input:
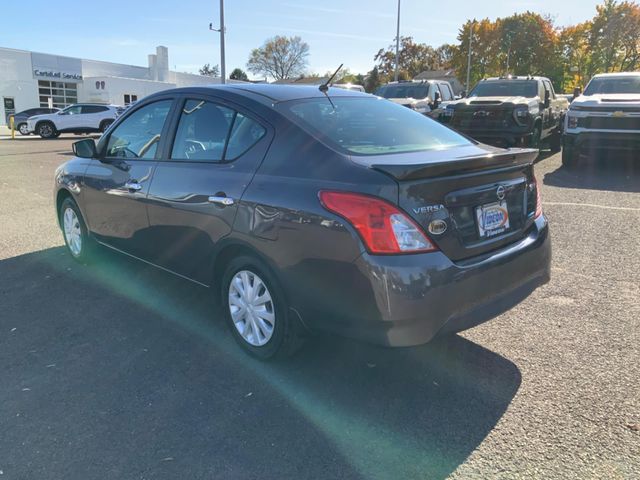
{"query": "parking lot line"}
{"type": "Point", "coordinates": [593, 205]}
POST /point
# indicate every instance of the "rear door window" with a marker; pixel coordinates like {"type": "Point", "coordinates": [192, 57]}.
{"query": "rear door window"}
{"type": "Point", "coordinates": [209, 132]}
{"type": "Point", "coordinates": [245, 133]}
{"type": "Point", "coordinates": [202, 132]}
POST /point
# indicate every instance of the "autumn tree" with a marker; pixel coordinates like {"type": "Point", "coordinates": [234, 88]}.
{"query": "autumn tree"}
{"type": "Point", "coordinates": [575, 54]}
{"type": "Point", "coordinates": [413, 59]}
{"type": "Point", "coordinates": [615, 37]}
{"type": "Point", "coordinates": [280, 57]}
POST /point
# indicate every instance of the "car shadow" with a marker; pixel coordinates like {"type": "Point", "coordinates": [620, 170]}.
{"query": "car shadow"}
{"type": "Point", "coordinates": [613, 173]}
{"type": "Point", "coordinates": [117, 367]}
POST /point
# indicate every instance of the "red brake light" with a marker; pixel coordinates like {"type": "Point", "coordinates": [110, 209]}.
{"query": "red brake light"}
{"type": "Point", "coordinates": [383, 228]}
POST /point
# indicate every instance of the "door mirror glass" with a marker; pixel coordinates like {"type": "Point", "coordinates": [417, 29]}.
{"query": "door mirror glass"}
{"type": "Point", "coordinates": [85, 148]}
{"type": "Point", "coordinates": [436, 99]}
{"type": "Point", "coordinates": [547, 98]}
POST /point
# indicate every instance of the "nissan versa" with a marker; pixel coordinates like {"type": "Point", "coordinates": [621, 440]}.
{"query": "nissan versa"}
{"type": "Point", "coordinates": [310, 209]}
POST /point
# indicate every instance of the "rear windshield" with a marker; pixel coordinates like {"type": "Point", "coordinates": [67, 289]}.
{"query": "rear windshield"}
{"type": "Point", "coordinates": [370, 125]}
{"type": "Point", "coordinates": [506, 88]}
{"type": "Point", "coordinates": [613, 85]}
{"type": "Point", "coordinates": [405, 90]}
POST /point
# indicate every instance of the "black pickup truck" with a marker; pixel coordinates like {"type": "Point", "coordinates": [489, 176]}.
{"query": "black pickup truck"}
{"type": "Point", "coordinates": [510, 111]}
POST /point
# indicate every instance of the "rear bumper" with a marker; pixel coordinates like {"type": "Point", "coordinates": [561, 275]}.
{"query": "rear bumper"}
{"type": "Point", "coordinates": [415, 297]}
{"type": "Point", "coordinates": [602, 141]}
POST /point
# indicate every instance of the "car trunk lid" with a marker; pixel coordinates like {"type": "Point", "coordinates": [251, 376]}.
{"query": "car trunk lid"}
{"type": "Point", "coordinates": [486, 196]}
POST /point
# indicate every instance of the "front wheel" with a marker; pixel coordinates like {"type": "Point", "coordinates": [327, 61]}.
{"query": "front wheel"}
{"type": "Point", "coordinates": [256, 310]}
{"type": "Point", "coordinates": [569, 157]}
{"type": "Point", "coordinates": [555, 141]}
{"type": "Point", "coordinates": [534, 140]}
{"type": "Point", "coordinates": [47, 130]}
{"type": "Point", "coordinates": [23, 129]}
{"type": "Point", "coordinates": [74, 230]}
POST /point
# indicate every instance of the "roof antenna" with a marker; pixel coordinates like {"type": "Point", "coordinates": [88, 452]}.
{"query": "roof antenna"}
{"type": "Point", "coordinates": [325, 86]}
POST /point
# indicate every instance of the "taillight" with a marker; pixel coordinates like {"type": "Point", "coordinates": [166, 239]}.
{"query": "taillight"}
{"type": "Point", "coordinates": [383, 228]}
{"type": "Point", "coordinates": [538, 199]}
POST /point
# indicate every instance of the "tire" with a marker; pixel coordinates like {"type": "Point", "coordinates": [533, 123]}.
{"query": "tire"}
{"type": "Point", "coordinates": [104, 125]}
{"type": "Point", "coordinates": [555, 141]}
{"type": "Point", "coordinates": [569, 157]}
{"type": "Point", "coordinates": [22, 128]}
{"type": "Point", "coordinates": [47, 130]}
{"type": "Point", "coordinates": [268, 330]}
{"type": "Point", "coordinates": [74, 230]}
{"type": "Point", "coordinates": [534, 140]}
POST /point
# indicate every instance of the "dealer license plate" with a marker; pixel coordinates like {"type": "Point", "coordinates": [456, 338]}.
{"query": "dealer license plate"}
{"type": "Point", "coordinates": [493, 219]}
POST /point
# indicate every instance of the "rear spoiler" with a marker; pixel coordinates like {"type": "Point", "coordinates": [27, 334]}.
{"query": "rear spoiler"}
{"type": "Point", "coordinates": [504, 159]}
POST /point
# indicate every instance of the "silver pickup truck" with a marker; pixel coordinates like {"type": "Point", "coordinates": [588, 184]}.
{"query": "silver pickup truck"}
{"type": "Point", "coordinates": [606, 117]}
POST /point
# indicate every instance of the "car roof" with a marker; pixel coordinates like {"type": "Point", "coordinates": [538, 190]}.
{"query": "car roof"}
{"type": "Point", "coordinates": [275, 93]}
{"type": "Point", "coordinates": [617, 74]}
{"type": "Point", "coordinates": [515, 77]}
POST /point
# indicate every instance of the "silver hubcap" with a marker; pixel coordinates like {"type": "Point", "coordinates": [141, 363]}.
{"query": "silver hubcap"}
{"type": "Point", "coordinates": [251, 308]}
{"type": "Point", "coordinates": [46, 130]}
{"type": "Point", "coordinates": [72, 231]}
{"type": "Point", "coordinates": [23, 129]}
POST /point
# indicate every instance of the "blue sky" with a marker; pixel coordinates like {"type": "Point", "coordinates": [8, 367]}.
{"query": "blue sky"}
{"type": "Point", "coordinates": [348, 32]}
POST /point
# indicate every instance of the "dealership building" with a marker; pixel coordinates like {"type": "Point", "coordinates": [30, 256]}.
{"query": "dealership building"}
{"type": "Point", "coordinates": [31, 79]}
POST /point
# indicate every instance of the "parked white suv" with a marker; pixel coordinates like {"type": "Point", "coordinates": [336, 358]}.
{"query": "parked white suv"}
{"type": "Point", "coordinates": [78, 118]}
{"type": "Point", "coordinates": [605, 117]}
{"type": "Point", "coordinates": [423, 96]}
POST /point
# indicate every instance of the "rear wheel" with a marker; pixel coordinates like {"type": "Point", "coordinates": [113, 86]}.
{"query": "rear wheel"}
{"type": "Point", "coordinates": [47, 130]}
{"type": "Point", "coordinates": [256, 310]}
{"type": "Point", "coordinates": [104, 125]}
{"type": "Point", "coordinates": [74, 230]}
{"type": "Point", "coordinates": [23, 129]}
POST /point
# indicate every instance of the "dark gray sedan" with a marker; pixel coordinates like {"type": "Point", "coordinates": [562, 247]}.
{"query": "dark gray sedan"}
{"type": "Point", "coordinates": [304, 211]}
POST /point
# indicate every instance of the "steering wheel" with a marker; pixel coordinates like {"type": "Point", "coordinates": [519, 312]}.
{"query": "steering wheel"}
{"type": "Point", "coordinates": [193, 147]}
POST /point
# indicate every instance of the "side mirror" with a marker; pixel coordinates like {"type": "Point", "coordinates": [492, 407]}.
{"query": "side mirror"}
{"type": "Point", "coordinates": [85, 148]}
{"type": "Point", "coordinates": [547, 98]}
{"type": "Point", "coordinates": [436, 99]}
{"type": "Point", "coordinates": [577, 92]}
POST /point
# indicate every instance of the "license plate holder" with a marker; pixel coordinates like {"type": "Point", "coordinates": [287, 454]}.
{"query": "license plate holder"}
{"type": "Point", "coordinates": [492, 219]}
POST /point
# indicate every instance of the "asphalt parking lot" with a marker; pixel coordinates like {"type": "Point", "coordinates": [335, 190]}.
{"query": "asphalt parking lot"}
{"type": "Point", "coordinates": [116, 370]}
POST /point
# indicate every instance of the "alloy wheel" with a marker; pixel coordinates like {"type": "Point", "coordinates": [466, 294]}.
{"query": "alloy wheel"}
{"type": "Point", "coordinates": [72, 231]}
{"type": "Point", "coordinates": [252, 308]}
{"type": "Point", "coordinates": [45, 130]}
{"type": "Point", "coordinates": [23, 129]}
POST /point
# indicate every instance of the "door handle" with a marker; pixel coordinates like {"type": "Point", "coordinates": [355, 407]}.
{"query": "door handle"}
{"type": "Point", "coordinates": [133, 185]}
{"type": "Point", "coordinates": [224, 201]}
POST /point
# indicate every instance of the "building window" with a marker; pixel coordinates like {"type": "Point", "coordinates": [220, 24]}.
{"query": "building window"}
{"type": "Point", "coordinates": [130, 98]}
{"type": "Point", "coordinates": [62, 94]}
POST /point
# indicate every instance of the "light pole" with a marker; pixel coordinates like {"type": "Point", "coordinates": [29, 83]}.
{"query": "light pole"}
{"type": "Point", "coordinates": [469, 58]}
{"type": "Point", "coordinates": [395, 73]}
{"type": "Point", "coordinates": [223, 73]}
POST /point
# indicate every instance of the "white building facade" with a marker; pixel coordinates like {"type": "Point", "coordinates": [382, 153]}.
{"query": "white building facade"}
{"type": "Point", "coordinates": [31, 79]}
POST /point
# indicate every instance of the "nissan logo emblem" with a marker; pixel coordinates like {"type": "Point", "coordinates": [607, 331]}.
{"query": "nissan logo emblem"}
{"type": "Point", "coordinates": [437, 227]}
{"type": "Point", "coordinates": [500, 192]}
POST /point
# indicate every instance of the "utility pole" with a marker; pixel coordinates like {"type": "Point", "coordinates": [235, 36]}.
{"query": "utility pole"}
{"type": "Point", "coordinates": [469, 58]}
{"type": "Point", "coordinates": [395, 74]}
{"type": "Point", "coordinates": [223, 73]}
